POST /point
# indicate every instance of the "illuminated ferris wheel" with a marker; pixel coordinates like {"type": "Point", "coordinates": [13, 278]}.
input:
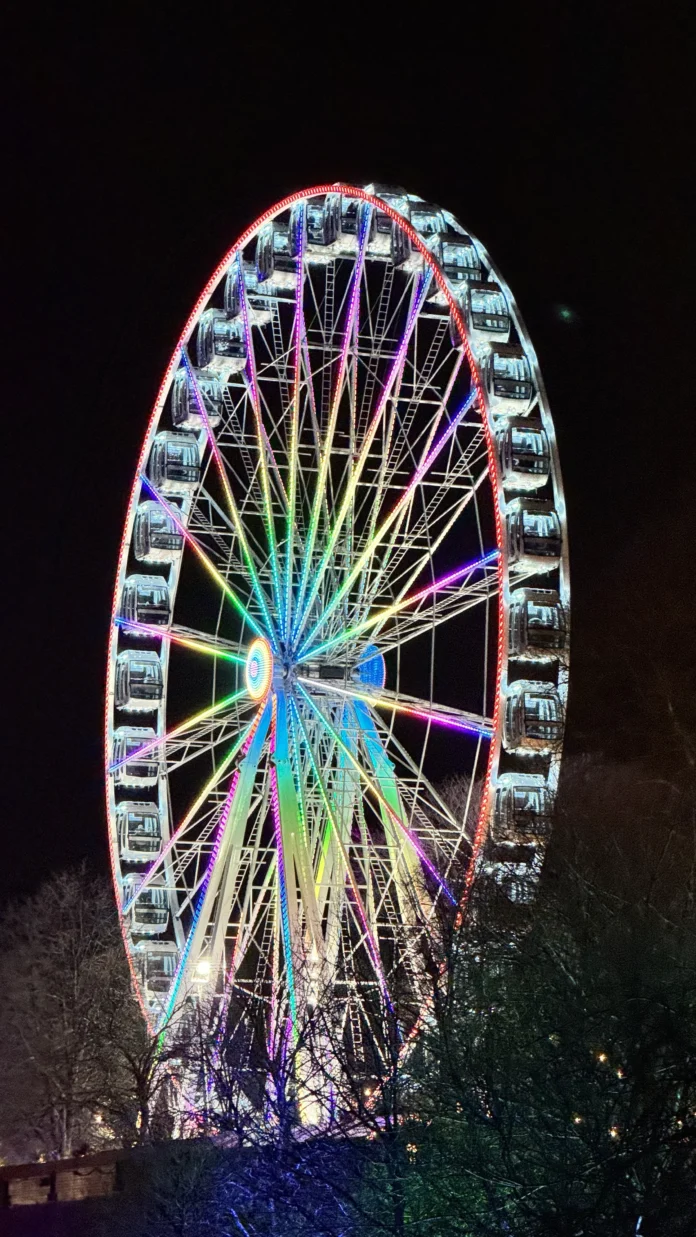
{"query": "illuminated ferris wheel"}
{"type": "Point", "coordinates": [343, 573]}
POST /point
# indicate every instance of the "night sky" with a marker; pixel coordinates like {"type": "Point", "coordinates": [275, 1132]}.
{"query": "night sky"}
{"type": "Point", "coordinates": [136, 155]}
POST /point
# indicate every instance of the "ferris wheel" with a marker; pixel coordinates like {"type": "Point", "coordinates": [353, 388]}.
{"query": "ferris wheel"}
{"type": "Point", "coordinates": [343, 572]}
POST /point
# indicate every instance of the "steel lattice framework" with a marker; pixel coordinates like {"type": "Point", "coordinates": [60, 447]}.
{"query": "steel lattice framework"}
{"type": "Point", "coordinates": [328, 591]}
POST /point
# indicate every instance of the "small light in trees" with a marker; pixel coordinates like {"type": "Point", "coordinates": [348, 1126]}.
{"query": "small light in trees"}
{"type": "Point", "coordinates": [368, 1090]}
{"type": "Point", "coordinates": [614, 1131]}
{"type": "Point", "coordinates": [577, 1119]}
{"type": "Point", "coordinates": [411, 1149]}
{"type": "Point", "coordinates": [619, 1073]}
{"type": "Point", "coordinates": [602, 1057]}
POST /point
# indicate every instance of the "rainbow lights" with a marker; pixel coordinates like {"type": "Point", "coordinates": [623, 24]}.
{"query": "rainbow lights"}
{"type": "Point", "coordinates": [279, 751]}
{"type": "Point", "coordinates": [197, 719]}
{"type": "Point", "coordinates": [393, 815]}
{"type": "Point", "coordinates": [319, 493]}
{"type": "Point", "coordinates": [195, 807]}
{"type": "Point", "coordinates": [382, 616]}
{"type": "Point", "coordinates": [387, 523]}
{"type": "Point", "coordinates": [251, 747]}
{"type": "Point", "coordinates": [372, 946]}
{"type": "Point", "coordinates": [456, 721]}
{"type": "Point", "coordinates": [350, 489]}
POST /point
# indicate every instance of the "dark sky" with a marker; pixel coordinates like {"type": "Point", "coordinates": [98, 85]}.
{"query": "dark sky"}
{"type": "Point", "coordinates": [138, 151]}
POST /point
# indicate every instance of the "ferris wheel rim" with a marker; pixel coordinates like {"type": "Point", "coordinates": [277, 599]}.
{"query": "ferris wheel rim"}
{"type": "Point", "coordinates": [494, 480]}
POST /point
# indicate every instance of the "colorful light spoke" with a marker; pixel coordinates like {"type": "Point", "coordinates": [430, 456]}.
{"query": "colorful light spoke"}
{"type": "Point", "coordinates": [455, 719]}
{"type": "Point", "coordinates": [331, 429]}
{"type": "Point", "coordinates": [350, 489]}
{"type": "Point", "coordinates": [388, 522]}
{"type": "Point", "coordinates": [205, 715]}
{"type": "Point", "coordinates": [394, 816]}
{"type": "Point", "coordinates": [186, 642]}
{"type": "Point", "coordinates": [382, 616]}
{"type": "Point", "coordinates": [193, 811]}
{"type": "Point", "coordinates": [203, 557]}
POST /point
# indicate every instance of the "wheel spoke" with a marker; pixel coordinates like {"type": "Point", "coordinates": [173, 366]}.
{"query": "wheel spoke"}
{"type": "Point", "coordinates": [229, 496]}
{"type": "Point", "coordinates": [192, 812]}
{"type": "Point", "coordinates": [372, 946]}
{"type": "Point", "coordinates": [462, 577]}
{"type": "Point", "coordinates": [394, 816]}
{"type": "Point", "coordinates": [263, 445]}
{"type": "Point", "coordinates": [319, 492]}
{"type": "Point", "coordinates": [411, 706]}
{"type": "Point", "coordinates": [172, 636]}
{"type": "Point", "coordinates": [205, 560]}
{"type": "Point", "coordinates": [216, 888]}
{"type": "Point", "coordinates": [349, 492]}
{"type": "Point", "coordinates": [386, 524]}
{"type": "Point", "coordinates": [222, 706]}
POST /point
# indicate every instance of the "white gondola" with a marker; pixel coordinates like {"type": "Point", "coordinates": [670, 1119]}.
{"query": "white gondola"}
{"type": "Point", "coordinates": [486, 313]}
{"type": "Point", "coordinates": [387, 240]}
{"type": "Point", "coordinates": [276, 256]}
{"type": "Point", "coordinates": [458, 257]}
{"type": "Point", "coordinates": [132, 770]}
{"type": "Point", "coordinates": [522, 808]}
{"type": "Point", "coordinates": [428, 219]}
{"type": "Point", "coordinates": [538, 625]}
{"type": "Point", "coordinates": [139, 831]}
{"type": "Point", "coordinates": [232, 300]}
{"type": "Point", "coordinates": [186, 412]}
{"type": "Point", "coordinates": [156, 538]}
{"type": "Point", "coordinates": [174, 466]}
{"type": "Point", "coordinates": [139, 681]}
{"type": "Point", "coordinates": [533, 719]}
{"type": "Point", "coordinates": [149, 913]}
{"type": "Point", "coordinates": [394, 196]}
{"type": "Point", "coordinates": [534, 534]}
{"type": "Point", "coordinates": [322, 224]}
{"type": "Point", "coordinates": [507, 375]}
{"type": "Point", "coordinates": [145, 599]}
{"type": "Point", "coordinates": [524, 455]}
{"type": "Point", "coordinates": [156, 963]}
{"type": "Point", "coordinates": [221, 343]}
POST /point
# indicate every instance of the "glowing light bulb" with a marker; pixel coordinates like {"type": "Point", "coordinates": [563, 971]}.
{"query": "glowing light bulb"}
{"type": "Point", "coordinates": [203, 969]}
